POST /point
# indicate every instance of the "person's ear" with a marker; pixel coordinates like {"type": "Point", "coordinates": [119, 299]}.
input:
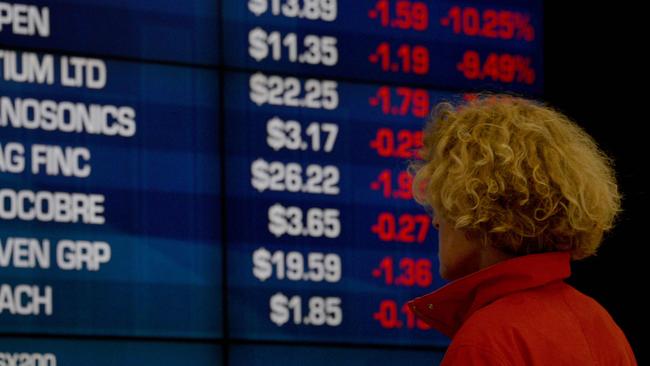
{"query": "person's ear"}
{"type": "Point", "coordinates": [436, 221]}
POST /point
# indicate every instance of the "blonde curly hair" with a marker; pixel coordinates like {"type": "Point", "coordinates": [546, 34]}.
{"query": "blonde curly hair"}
{"type": "Point", "coordinates": [517, 173]}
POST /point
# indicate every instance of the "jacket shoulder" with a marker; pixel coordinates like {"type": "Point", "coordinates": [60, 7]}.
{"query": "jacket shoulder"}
{"type": "Point", "coordinates": [553, 324]}
{"type": "Point", "coordinates": [606, 339]}
{"type": "Point", "coordinates": [472, 354]}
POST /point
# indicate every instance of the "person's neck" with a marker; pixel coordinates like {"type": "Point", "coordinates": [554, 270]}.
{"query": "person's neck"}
{"type": "Point", "coordinates": [490, 256]}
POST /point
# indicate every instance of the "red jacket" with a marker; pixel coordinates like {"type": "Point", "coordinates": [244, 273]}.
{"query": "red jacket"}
{"type": "Point", "coordinates": [520, 312]}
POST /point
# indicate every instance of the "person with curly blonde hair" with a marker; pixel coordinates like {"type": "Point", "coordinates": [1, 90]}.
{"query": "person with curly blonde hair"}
{"type": "Point", "coordinates": [517, 190]}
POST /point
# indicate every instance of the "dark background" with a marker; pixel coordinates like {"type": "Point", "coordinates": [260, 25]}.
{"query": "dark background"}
{"type": "Point", "coordinates": [596, 74]}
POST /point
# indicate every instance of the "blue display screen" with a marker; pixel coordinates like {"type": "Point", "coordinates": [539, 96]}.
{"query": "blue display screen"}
{"type": "Point", "coordinates": [451, 45]}
{"type": "Point", "coordinates": [182, 178]}
{"type": "Point", "coordinates": [49, 352]}
{"type": "Point", "coordinates": [327, 356]}
{"type": "Point", "coordinates": [156, 30]}
{"type": "Point", "coordinates": [330, 219]}
{"type": "Point", "coordinates": [111, 203]}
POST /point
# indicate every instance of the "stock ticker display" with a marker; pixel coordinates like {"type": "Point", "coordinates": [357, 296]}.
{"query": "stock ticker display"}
{"type": "Point", "coordinates": [216, 180]}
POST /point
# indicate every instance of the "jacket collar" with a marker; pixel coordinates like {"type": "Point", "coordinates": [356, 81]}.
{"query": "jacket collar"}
{"type": "Point", "coordinates": [447, 308]}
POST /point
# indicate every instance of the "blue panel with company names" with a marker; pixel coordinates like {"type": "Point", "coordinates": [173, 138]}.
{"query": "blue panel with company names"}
{"type": "Point", "coordinates": [50, 352]}
{"type": "Point", "coordinates": [155, 30]}
{"type": "Point", "coordinates": [110, 201]}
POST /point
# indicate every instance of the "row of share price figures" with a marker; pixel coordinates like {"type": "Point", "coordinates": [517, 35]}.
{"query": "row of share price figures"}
{"type": "Point", "coordinates": [305, 177]}
{"type": "Point", "coordinates": [304, 138]}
